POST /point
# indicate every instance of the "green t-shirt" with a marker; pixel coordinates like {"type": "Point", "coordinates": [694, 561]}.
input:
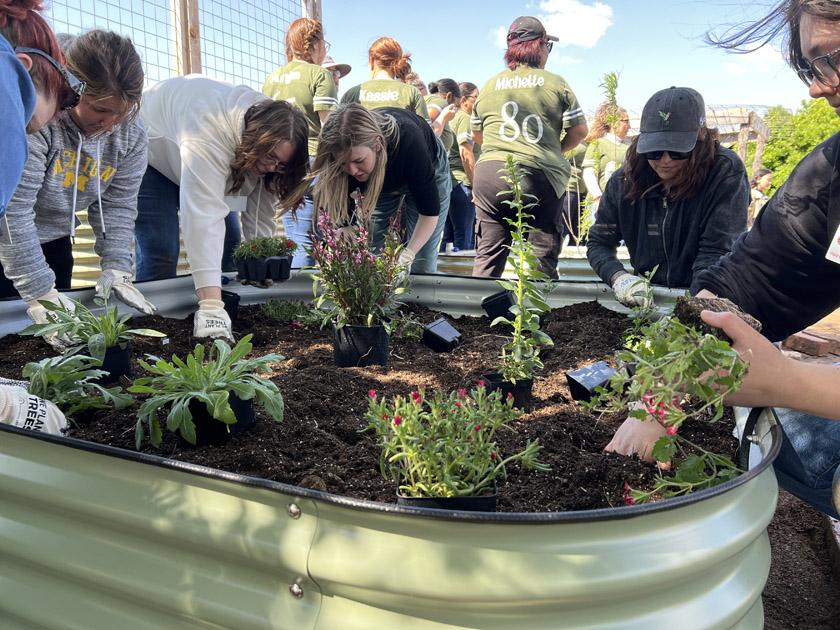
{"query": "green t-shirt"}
{"type": "Point", "coordinates": [524, 112]}
{"type": "Point", "coordinates": [436, 102]}
{"type": "Point", "coordinates": [605, 155]}
{"type": "Point", "coordinates": [461, 130]}
{"type": "Point", "coordinates": [387, 93]}
{"type": "Point", "coordinates": [310, 87]}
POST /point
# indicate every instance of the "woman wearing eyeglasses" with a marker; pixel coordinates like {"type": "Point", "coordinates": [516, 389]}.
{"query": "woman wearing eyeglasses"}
{"type": "Point", "coordinates": [93, 157]}
{"type": "Point", "coordinates": [34, 89]}
{"type": "Point", "coordinates": [607, 147]}
{"type": "Point", "coordinates": [532, 114]}
{"type": "Point", "coordinates": [214, 147]}
{"type": "Point", "coordinates": [679, 202]}
{"type": "Point", "coordinates": [305, 83]}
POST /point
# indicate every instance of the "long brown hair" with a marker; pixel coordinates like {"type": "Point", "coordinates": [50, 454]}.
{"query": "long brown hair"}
{"type": "Point", "coordinates": [110, 66]}
{"type": "Point", "coordinates": [386, 54]}
{"type": "Point", "coordinates": [600, 126]}
{"type": "Point", "coordinates": [267, 124]}
{"type": "Point", "coordinates": [640, 178]}
{"type": "Point", "coordinates": [300, 36]}
{"type": "Point", "coordinates": [22, 24]}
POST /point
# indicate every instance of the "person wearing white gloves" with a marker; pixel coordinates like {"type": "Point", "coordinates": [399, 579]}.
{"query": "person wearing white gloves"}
{"type": "Point", "coordinates": [395, 160]}
{"type": "Point", "coordinates": [678, 203]}
{"type": "Point", "coordinates": [216, 147]}
{"type": "Point", "coordinates": [93, 157]}
{"type": "Point", "coordinates": [23, 410]}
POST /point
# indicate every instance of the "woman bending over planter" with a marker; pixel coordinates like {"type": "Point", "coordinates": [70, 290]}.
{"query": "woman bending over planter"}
{"type": "Point", "coordinates": [214, 147]}
{"type": "Point", "coordinates": [395, 159]}
{"type": "Point", "coordinates": [679, 202]}
{"type": "Point", "coordinates": [92, 157]}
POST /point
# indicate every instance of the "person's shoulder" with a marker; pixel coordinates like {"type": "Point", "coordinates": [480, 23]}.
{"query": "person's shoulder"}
{"type": "Point", "coordinates": [727, 158]}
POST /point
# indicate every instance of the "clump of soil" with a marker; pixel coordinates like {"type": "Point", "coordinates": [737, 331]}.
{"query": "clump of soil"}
{"type": "Point", "coordinates": [688, 309]}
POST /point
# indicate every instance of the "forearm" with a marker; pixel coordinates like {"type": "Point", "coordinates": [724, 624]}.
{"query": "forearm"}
{"type": "Point", "coordinates": [468, 160]}
{"type": "Point", "coordinates": [810, 387]}
{"type": "Point", "coordinates": [422, 232]}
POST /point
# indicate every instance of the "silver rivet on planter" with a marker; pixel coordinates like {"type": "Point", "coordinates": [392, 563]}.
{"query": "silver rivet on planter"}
{"type": "Point", "coordinates": [755, 439]}
{"type": "Point", "coordinates": [296, 591]}
{"type": "Point", "coordinates": [293, 510]}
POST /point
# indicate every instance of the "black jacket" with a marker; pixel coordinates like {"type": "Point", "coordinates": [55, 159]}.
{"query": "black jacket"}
{"type": "Point", "coordinates": [682, 237]}
{"type": "Point", "coordinates": [778, 271]}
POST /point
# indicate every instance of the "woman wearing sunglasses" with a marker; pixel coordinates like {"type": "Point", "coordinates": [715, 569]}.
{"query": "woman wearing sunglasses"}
{"type": "Point", "coordinates": [92, 157]}
{"type": "Point", "coordinates": [679, 202]}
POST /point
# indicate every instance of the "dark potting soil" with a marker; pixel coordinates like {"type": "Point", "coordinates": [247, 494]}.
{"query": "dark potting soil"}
{"type": "Point", "coordinates": [319, 444]}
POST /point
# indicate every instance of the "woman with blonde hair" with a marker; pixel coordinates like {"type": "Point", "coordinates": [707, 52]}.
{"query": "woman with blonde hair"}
{"type": "Point", "coordinates": [93, 157]}
{"type": "Point", "coordinates": [389, 67]}
{"type": "Point", "coordinates": [607, 147]}
{"type": "Point", "coordinates": [304, 83]}
{"type": "Point", "coordinates": [394, 159]}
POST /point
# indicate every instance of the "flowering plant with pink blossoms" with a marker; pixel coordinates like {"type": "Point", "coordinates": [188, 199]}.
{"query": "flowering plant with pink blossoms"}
{"type": "Point", "coordinates": [443, 445]}
{"type": "Point", "coordinates": [362, 286]}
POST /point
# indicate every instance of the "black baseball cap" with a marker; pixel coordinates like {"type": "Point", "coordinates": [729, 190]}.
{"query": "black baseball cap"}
{"type": "Point", "coordinates": [526, 29]}
{"type": "Point", "coordinates": [671, 119]}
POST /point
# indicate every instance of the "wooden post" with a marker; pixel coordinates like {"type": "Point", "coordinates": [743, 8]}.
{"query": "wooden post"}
{"type": "Point", "coordinates": [759, 154]}
{"type": "Point", "coordinates": [186, 36]}
{"type": "Point", "coordinates": [743, 140]}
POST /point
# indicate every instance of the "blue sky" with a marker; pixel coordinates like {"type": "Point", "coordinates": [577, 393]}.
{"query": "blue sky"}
{"type": "Point", "coordinates": [653, 44]}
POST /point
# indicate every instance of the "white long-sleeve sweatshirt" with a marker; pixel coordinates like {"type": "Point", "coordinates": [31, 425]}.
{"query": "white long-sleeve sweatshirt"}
{"type": "Point", "coordinates": [194, 124]}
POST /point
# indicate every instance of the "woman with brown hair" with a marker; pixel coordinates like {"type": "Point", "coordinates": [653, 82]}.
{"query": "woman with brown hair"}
{"type": "Point", "coordinates": [305, 83]}
{"type": "Point", "coordinates": [679, 202]}
{"type": "Point", "coordinates": [216, 147]}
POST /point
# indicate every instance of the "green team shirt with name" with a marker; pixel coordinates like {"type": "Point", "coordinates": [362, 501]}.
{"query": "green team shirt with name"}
{"type": "Point", "coordinates": [310, 87]}
{"type": "Point", "coordinates": [461, 130]}
{"type": "Point", "coordinates": [387, 93]}
{"type": "Point", "coordinates": [435, 102]}
{"type": "Point", "coordinates": [605, 156]}
{"type": "Point", "coordinates": [576, 183]}
{"type": "Point", "coordinates": [524, 112]}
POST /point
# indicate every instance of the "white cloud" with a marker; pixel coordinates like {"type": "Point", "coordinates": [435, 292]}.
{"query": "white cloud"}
{"type": "Point", "coordinates": [565, 61]}
{"type": "Point", "coordinates": [574, 22]}
{"type": "Point", "coordinates": [762, 61]}
{"type": "Point", "coordinates": [499, 37]}
{"type": "Point", "coordinates": [735, 68]}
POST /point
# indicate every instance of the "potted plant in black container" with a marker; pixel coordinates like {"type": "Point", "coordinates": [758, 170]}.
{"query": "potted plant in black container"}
{"type": "Point", "coordinates": [207, 402]}
{"type": "Point", "coordinates": [440, 450]}
{"type": "Point", "coordinates": [520, 358]}
{"type": "Point", "coordinates": [360, 290]}
{"type": "Point", "coordinates": [105, 337]}
{"type": "Point", "coordinates": [264, 261]}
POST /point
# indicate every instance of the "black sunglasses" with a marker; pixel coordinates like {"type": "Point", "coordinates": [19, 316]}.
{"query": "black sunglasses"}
{"type": "Point", "coordinates": [675, 155]}
{"type": "Point", "coordinates": [549, 45]}
{"type": "Point", "coordinates": [77, 88]}
{"type": "Point", "coordinates": [821, 68]}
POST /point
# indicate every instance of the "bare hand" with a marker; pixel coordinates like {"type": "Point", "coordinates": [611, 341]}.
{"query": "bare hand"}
{"type": "Point", "coordinates": [637, 437]}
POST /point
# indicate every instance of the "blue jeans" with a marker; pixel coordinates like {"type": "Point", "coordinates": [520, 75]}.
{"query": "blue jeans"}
{"type": "Point", "coordinates": [157, 242]}
{"type": "Point", "coordinates": [298, 230]}
{"type": "Point", "coordinates": [809, 458]}
{"type": "Point", "coordinates": [389, 204]}
{"type": "Point", "coordinates": [460, 225]}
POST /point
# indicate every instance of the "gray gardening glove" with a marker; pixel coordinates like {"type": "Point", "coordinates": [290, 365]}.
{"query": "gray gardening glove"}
{"type": "Point", "coordinates": [631, 291]}
{"type": "Point", "coordinates": [212, 320]}
{"type": "Point", "coordinates": [127, 293]}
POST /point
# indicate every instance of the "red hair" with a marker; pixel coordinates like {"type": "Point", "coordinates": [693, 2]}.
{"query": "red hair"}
{"type": "Point", "coordinates": [387, 54]}
{"type": "Point", "coordinates": [22, 24]}
{"type": "Point", "coordinates": [523, 54]}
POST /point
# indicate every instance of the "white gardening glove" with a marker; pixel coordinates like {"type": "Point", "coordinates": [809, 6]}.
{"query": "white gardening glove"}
{"type": "Point", "coordinates": [21, 409]}
{"type": "Point", "coordinates": [127, 293]}
{"type": "Point", "coordinates": [405, 261]}
{"type": "Point", "coordinates": [631, 291]}
{"type": "Point", "coordinates": [40, 314]}
{"type": "Point", "coordinates": [212, 320]}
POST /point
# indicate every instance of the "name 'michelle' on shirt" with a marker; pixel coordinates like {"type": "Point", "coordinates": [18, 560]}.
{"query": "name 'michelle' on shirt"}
{"type": "Point", "coordinates": [530, 80]}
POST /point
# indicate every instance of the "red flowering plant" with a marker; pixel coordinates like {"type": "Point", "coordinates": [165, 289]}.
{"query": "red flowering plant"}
{"type": "Point", "coordinates": [264, 247]}
{"type": "Point", "coordinates": [443, 445]}
{"type": "Point", "coordinates": [361, 287]}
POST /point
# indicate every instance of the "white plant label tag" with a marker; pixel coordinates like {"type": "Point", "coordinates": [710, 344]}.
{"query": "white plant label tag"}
{"type": "Point", "coordinates": [236, 203]}
{"type": "Point", "coordinates": [833, 253]}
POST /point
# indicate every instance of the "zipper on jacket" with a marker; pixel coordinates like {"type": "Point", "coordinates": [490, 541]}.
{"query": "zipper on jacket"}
{"type": "Point", "coordinates": [664, 246]}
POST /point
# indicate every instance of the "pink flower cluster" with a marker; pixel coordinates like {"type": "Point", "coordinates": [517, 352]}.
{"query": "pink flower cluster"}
{"type": "Point", "coordinates": [658, 410]}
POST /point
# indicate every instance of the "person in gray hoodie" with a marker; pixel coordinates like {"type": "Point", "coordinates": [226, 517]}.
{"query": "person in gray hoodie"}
{"type": "Point", "coordinates": [93, 157]}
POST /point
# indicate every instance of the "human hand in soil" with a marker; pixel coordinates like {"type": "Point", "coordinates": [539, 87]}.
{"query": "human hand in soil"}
{"type": "Point", "coordinates": [637, 437]}
{"type": "Point", "coordinates": [631, 291]}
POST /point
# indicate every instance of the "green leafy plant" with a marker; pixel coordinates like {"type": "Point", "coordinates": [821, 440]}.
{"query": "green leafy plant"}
{"type": "Point", "coordinates": [296, 313]}
{"type": "Point", "coordinates": [68, 382]}
{"type": "Point", "coordinates": [211, 382]}
{"type": "Point", "coordinates": [679, 373]}
{"type": "Point", "coordinates": [520, 358]}
{"type": "Point", "coordinates": [443, 446]}
{"type": "Point", "coordinates": [87, 330]}
{"type": "Point", "coordinates": [264, 247]}
{"type": "Point", "coordinates": [357, 286]}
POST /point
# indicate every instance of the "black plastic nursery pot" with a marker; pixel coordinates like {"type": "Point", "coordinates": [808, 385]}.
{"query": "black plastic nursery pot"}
{"type": "Point", "coordinates": [209, 431]}
{"type": "Point", "coordinates": [521, 390]}
{"type": "Point", "coordinates": [482, 503]}
{"type": "Point", "coordinates": [583, 382]}
{"type": "Point", "coordinates": [117, 363]}
{"type": "Point", "coordinates": [259, 270]}
{"type": "Point", "coordinates": [441, 336]}
{"type": "Point", "coordinates": [360, 346]}
{"type": "Point", "coordinates": [498, 305]}
{"type": "Point", "coordinates": [231, 300]}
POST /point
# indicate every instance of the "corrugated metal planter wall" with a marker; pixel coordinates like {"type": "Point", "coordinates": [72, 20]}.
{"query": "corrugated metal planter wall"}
{"type": "Point", "coordinates": [96, 537]}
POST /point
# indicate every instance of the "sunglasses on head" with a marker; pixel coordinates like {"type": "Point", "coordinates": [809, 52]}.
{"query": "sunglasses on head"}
{"type": "Point", "coordinates": [73, 95]}
{"type": "Point", "coordinates": [675, 155]}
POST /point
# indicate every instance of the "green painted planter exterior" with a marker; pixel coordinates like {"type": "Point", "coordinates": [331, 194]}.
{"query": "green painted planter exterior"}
{"type": "Point", "coordinates": [96, 537]}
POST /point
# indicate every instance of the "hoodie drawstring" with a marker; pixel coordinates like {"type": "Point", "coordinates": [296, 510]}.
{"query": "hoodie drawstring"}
{"type": "Point", "coordinates": [99, 189]}
{"type": "Point", "coordinates": [76, 190]}
{"type": "Point", "coordinates": [257, 218]}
